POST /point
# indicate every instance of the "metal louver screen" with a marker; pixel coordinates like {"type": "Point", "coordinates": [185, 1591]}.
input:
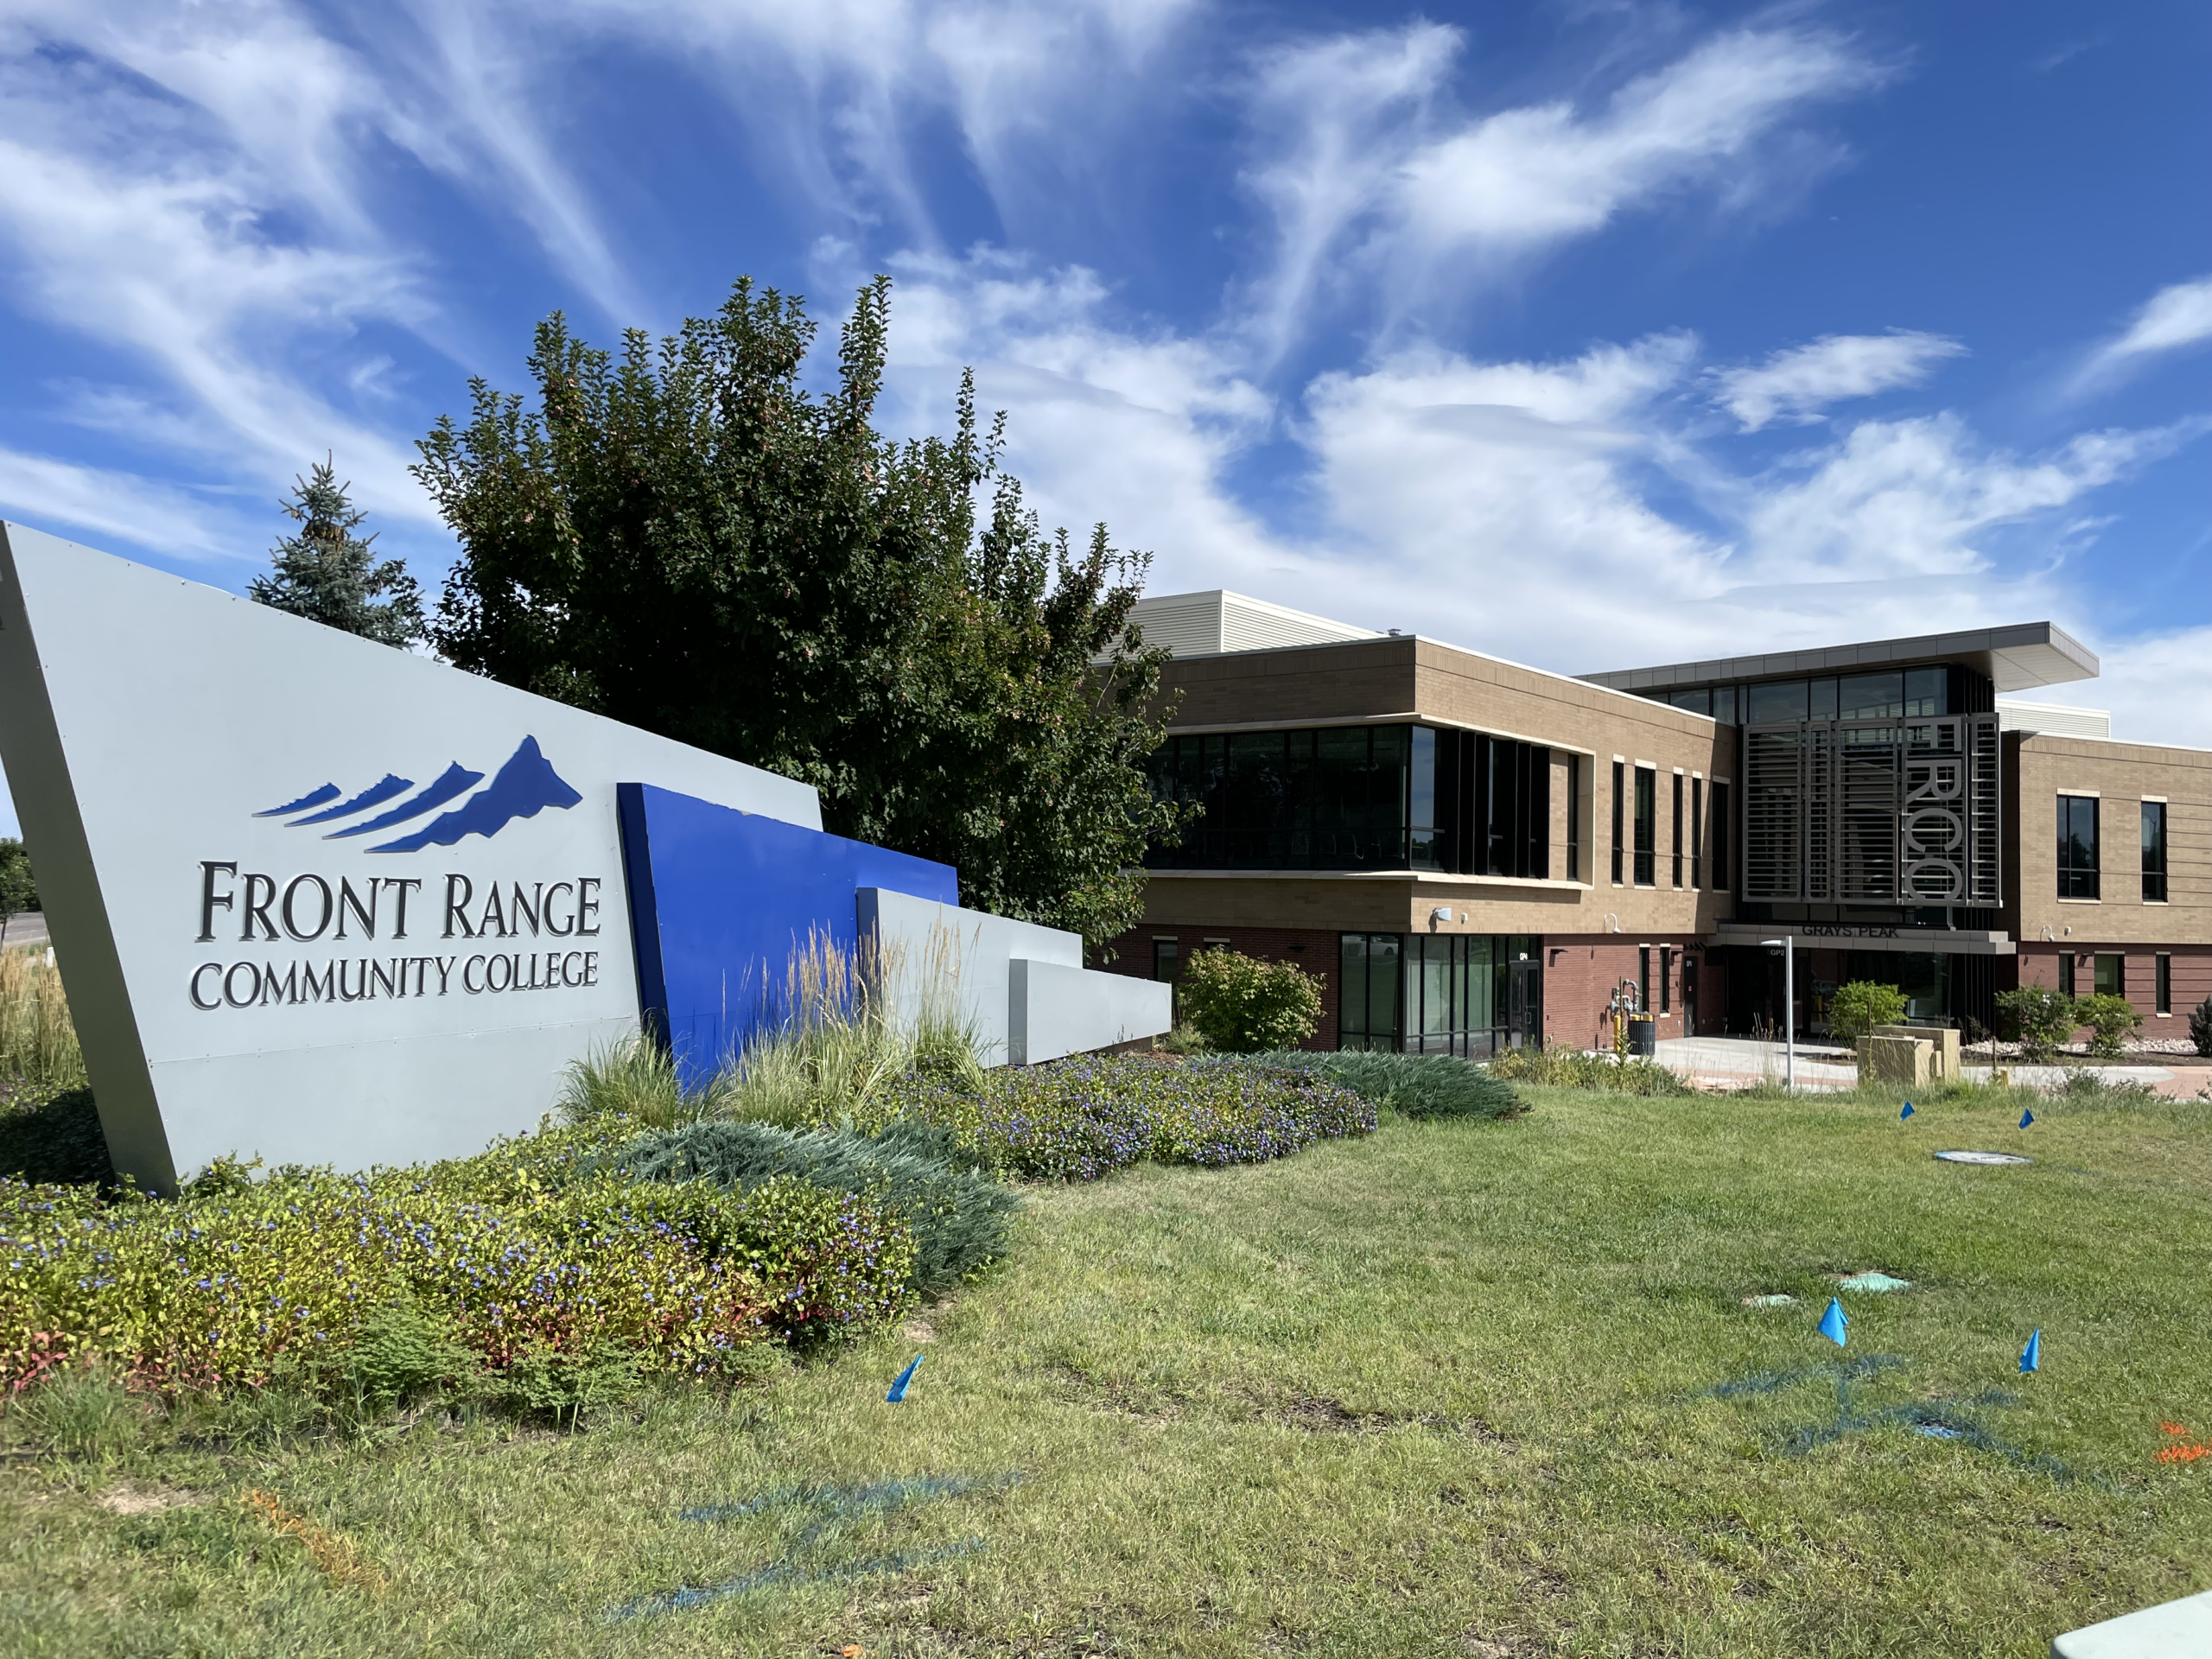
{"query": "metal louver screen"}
{"type": "Point", "coordinates": [1899, 812]}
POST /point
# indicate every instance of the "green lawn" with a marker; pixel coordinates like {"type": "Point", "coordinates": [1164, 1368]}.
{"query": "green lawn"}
{"type": "Point", "coordinates": [1446, 1390]}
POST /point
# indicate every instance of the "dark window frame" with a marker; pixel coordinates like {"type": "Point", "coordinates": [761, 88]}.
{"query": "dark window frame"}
{"type": "Point", "coordinates": [1697, 833]}
{"type": "Point", "coordinates": [1172, 954]}
{"type": "Point", "coordinates": [1674, 829]}
{"type": "Point", "coordinates": [2118, 961]}
{"type": "Point", "coordinates": [1620, 786]}
{"type": "Point", "coordinates": [1666, 979]}
{"type": "Point", "coordinates": [2066, 973]}
{"type": "Point", "coordinates": [1573, 818]}
{"type": "Point", "coordinates": [1723, 830]}
{"type": "Point", "coordinates": [1642, 979]}
{"type": "Point", "coordinates": [2162, 983]}
{"type": "Point", "coordinates": [2079, 849]}
{"type": "Point", "coordinates": [2154, 852]}
{"type": "Point", "coordinates": [1646, 826]}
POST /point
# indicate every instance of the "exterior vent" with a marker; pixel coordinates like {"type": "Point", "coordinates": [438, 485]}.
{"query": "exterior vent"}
{"type": "Point", "coordinates": [1215, 623]}
{"type": "Point", "coordinates": [2013, 715]}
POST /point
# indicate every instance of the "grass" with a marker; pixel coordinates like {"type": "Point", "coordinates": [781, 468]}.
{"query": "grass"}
{"type": "Point", "coordinates": [38, 1043]}
{"type": "Point", "coordinates": [1455, 1389]}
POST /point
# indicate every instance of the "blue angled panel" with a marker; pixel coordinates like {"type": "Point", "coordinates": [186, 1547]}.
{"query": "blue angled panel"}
{"type": "Point", "coordinates": [719, 900]}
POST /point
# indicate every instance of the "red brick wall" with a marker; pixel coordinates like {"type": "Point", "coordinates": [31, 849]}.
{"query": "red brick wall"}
{"type": "Point", "coordinates": [1580, 973]}
{"type": "Point", "coordinates": [2037, 964]}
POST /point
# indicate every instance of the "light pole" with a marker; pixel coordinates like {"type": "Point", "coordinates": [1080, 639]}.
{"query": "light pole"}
{"type": "Point", "coordinates": [1789, 943]}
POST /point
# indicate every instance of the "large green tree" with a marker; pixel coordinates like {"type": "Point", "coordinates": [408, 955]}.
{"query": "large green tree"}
{"type": "Point", "coordinates": [328, 574]}
{"type": "Point", "coordinates": [687, 539]}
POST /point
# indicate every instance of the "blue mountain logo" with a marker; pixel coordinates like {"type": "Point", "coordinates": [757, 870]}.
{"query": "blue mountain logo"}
{"type": "Point", "coordinates": [523, 788]}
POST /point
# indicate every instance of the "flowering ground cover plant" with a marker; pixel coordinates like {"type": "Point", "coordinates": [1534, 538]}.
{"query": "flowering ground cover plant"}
{"type": "Point", "coordinates": [1082, 1118]}
{"type": "Point", "coordinates": [515, 1255]}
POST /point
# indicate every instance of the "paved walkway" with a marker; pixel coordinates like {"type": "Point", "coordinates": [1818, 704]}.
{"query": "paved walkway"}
{"type": "Point", "coordinates": [1742, 1059]}
{"type": "Point", "coordinates": [1823, 1066]}
{"type": "Point", "coordinates": [29, 928]}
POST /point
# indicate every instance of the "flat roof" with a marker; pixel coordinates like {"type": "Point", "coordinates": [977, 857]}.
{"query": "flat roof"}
{"type": "Point", "coordinates": [2015, 657]}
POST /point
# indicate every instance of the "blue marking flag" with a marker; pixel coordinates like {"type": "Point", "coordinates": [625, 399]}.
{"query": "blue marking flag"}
{"type": "Point", "coordinates": [1906, 1113]}
{"type": "Point", "coordinates": [2026, 1118]}
{"type": "Point", "coordinates": [2031, 1355]}
{"type": "Point", "coordinates": [1834, 1321]}
{"type": "Point", "coordinates": [899, 1389]}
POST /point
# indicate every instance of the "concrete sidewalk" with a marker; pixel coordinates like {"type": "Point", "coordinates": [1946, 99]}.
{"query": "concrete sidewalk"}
{"type": "Point", "coordinates": [29, 928]}
{"type": "Point", "coordinates": [1743, 1060]}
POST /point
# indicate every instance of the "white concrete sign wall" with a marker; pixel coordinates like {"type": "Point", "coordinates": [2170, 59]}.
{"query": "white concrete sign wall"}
{"type": "Point", "coordinates": [315, 898]}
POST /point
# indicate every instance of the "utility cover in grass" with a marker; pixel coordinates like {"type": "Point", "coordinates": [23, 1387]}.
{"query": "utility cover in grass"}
{"type": "Point", "coordinates": [1779, 1299]}
{"type": "Point", "coordinates": [1878, 1282]}
{"type": "Point", "coordinates": [1983, 1158]}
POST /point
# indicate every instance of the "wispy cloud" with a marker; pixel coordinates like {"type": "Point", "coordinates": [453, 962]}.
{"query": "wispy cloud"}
{"type": "Point", "coordinates": [1361, 153]}
{"type": "Point", "coordinates": [1796, 384]}
{"type": "Point", "coordinates": [2174, 319]}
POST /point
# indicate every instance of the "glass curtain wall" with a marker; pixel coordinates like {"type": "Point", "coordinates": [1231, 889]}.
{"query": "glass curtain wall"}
{"type": "Point", "coordinates": [1354, 798]}
{"type": "Point", "coordinates": [1430, 994]}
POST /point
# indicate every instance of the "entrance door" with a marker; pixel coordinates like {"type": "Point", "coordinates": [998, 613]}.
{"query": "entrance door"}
{"type": "Point", "coordinates": [1524, 1014]}
{"type": "Point", "coordinates": [1689, 994]}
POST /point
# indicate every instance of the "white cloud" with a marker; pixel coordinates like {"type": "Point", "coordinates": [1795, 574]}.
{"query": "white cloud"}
{"type": "Point", "coordinates": [143, 511]}
{"type": "Point", "coordinates": [1797, 383]}
{"type": "Point", "coordinates": [2158, 688]}
{"type": "Point", "coordinates": [2172, 320]}
{"type": "Point", "coordinates": [1360, 154]}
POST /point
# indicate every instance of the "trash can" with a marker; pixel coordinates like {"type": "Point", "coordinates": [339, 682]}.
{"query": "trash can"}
{"type": "Point", "coordinates": [1643, 1035]}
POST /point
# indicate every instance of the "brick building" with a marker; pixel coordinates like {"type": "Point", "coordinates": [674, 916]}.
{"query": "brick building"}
{"type": "Point", "coordinates": [1476, 854]}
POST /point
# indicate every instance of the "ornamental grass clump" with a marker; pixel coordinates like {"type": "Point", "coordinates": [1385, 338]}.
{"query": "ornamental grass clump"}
{"type": "Point", "coordinates": [1082, 1118]}
{"type": "Point", "coordinates": [38, 1043]}
{"type": "Point", "coordinates": [514, 1256]}
{"type": "Point", "coordinates": [1575, 1068]}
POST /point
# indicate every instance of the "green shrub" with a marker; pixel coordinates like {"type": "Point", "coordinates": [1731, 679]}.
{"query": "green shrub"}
{"type": "Point", "coordinates": [2200, 1027]}
{"type": "Point", "coordinates": [634, 1081]}
{"type": "Point", "coordinates": [1184, 1040]}
{"type": "Point", "coordinates": [1861, 1006]}
{"type": "Point", "coordinates": [1082, 1118]}
{"type": "Point", "coordinates": [1417, 1086]}
{"type": "Point", "coordinates": [401, 1351]}
{"type": "Point", "coordinates": [1244, 1006]}
{"type": "Point", "coordinates": [515, 1253]}
{"type": "Point", "coordinates": [2110, 1019]}
{"type": "Point", "coordinates": [1575, 1068]}
{"type": "Point", "coordinates": [50, 1137]}
{"type": "Point", "coordinates": [960, 1216]}
{"type": "Point", "coordinates": [2038, 1017]}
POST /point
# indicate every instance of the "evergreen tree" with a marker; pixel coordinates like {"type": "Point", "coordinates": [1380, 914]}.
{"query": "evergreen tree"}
{"type": "Point", "coordinates": [688, 541]}
{"type": "Point", "coordinates": [328, 574]}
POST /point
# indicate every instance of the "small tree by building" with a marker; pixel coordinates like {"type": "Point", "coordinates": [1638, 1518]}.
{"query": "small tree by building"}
{"type": "Point", "coordinates": [2111, 1020]}
{"type": "Point", "coordinates": [2038, 1017]}
{"type": "Point", "coordinates": [1243, 1006]}
{"type": "Point", "coordinates": [330, 575]}
{"type": "Point", "coordinates": [2200, 1027]}
{"type": "Point", "coordinates": [1861, 1006]}
{"type": "Point", "coordinates": [18, 892]}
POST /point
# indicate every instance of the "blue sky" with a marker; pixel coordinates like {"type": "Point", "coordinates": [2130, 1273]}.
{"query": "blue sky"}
{"type": "Point", "coordinates": [1587, 333]}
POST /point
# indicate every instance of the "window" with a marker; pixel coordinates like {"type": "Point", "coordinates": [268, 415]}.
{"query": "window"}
{"type": "Point", "coordinates": [1676, 831]}
{"type": "Point", "coordinates": [1644, 979]}
{"type": "Point", "coordinates": [2111, 974]}
{"type": "Point", "coordinates": [1697, 832]}
{"type": "Point", "coordinates": [1699, 702]}
{"type": "Point", "coordinates": [1167, 960]}
{"type": "Point", "coordinates": [2154, 852]}
{"type": "Point", "coordinates": [1646, 827]}
{"type": "Point", "coordinates": [1617, 778]}
{"type": "Point", "coordinates": [1367, 987]}
{"type": "Point", "coordinates": [2066, 973]}
{"type": "Point", "coordinates": [1425, 848]}
{"type": "Point", "coordinates": [2162, 983]}
{"type": "Point", "coordinates": [2077, 847]}
{"type": "Point", "coordinates": [1575, 817]}
{"type": "Point", "coordinates": [1723, 833]}
{"type": "Point", "coordinates": [1785, 701]}
{"type": "Point", "coordinates": [1666, 978]}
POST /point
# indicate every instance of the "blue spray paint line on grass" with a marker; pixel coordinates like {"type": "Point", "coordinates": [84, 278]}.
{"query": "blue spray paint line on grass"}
{"type": "Point", "coordinates": [874, 1499]}
{"type": "Point", "coordinates": [783, 1574]}
{"type": "Point", "coordinates": [1848, 1370]}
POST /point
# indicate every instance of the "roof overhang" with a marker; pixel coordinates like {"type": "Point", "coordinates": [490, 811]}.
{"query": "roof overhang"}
{"type": "Point", "coordinates": [2016, 658]}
